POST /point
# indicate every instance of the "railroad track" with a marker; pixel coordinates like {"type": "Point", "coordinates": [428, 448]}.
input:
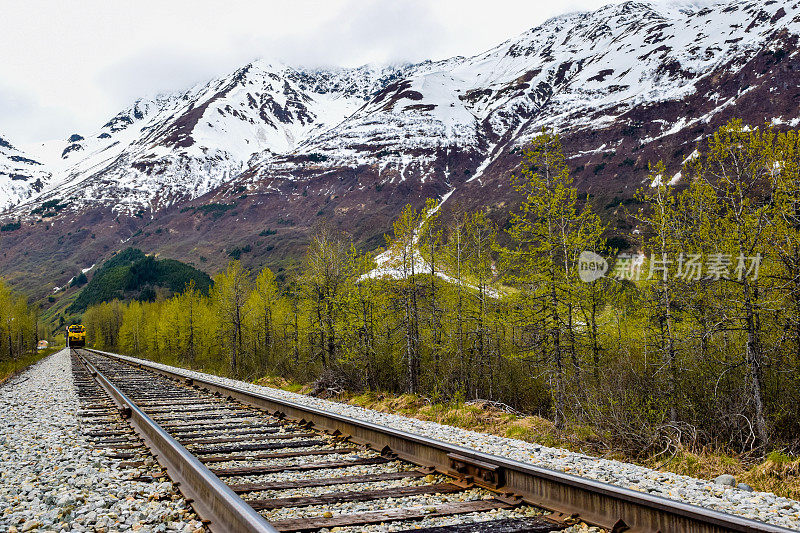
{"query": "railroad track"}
{"type": "Point", "coordinates": [249, 462]}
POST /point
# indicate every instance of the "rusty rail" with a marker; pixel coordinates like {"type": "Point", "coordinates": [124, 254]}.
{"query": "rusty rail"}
{"type": "Point", "coordinates": [219, 507]}
{"type": "Point", "coordinates": [613, 508]}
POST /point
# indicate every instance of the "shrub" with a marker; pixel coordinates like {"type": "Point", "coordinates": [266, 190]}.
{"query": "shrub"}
{"type": "Point", "coordinates": [11, 226]}
{"type": "Point", "coordinates": [237, 252]}
{"type": "Point", "coordinates": [79, 280]}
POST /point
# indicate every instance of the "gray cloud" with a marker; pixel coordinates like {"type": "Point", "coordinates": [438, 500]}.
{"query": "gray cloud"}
{"type": "Point", "coordinates": [70, 69]}
{"type": "Point", "coordinates": [155, 70]}
{"type": "Point", "coordinates": [22, 112]}
{"type": "Point", "coordinates": [370, 32]}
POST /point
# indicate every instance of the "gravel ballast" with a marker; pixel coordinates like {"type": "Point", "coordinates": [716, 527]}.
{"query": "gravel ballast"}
{"type": "Point", "coordinates": [763, 506]}
{"type": "Point", "coordinates": [52, 479]}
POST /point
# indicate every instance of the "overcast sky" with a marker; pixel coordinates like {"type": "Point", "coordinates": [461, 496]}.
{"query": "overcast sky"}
{"type": "Point", "coordinates": [67, 67]}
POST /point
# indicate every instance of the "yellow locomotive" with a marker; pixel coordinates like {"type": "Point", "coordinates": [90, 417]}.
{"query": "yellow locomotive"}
{"type": "Point", "coordinates": [76, 336]}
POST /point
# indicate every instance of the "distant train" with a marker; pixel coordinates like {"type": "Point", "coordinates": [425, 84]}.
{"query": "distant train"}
{"type": "Point", "coordinates": [76, 336]}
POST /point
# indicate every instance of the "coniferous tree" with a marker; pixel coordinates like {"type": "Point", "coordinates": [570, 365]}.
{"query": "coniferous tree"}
{"type": "Point", "coordinates": [230, 292]}
{"type": "Point", "coordinates": [548, 232]}
{"type": "Point", "coordinates": [733, 183]}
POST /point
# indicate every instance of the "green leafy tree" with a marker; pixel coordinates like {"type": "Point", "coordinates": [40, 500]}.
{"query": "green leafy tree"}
{"type": "Point", "coordinates": [663, 230]}
{"type": "Point", "coordinates": [548, 232]}
{"type": "Point", "coordinates": [229, 295]}
{"type": "Point", "coordinates": [479, 242]}
{"type": "Point", "coordinates": [430, 248]}
{"type": "Point", "coordinates": [731, 188]}
{"type": "Point", "coordinates": [406, 261]}
{"type": "Point", "coordinates": [264, 300]}
{"type": "Point", "coordinates": [328, 270]}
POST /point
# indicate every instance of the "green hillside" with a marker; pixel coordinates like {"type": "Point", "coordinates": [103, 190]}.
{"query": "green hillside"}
{"type": "Point", "coordinates": [132, 275]}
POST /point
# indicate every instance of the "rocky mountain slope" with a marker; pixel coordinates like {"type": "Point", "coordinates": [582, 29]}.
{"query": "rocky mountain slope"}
{"type": "Point", "coordinates": [180, 146]}
{"type": "Point", "coordinates": [270, 148]}
{"type": "Point", "coordinates": [20, 175]}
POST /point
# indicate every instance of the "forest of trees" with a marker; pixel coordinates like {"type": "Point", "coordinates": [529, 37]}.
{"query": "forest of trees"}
{"type": "Point", "coordinates": [691, 339]}
{"type": "Point", "coordinates": [18, 325]}
{"type": "Point", "coordinates": [133, 275]}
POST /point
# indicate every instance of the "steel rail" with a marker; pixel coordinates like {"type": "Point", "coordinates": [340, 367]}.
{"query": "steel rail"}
{"type": "Point", "coordinates": [220, 508]}
{"type": "Point", "coordinates": [601, 504]}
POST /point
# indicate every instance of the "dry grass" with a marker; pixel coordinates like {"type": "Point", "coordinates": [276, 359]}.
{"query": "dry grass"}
{"type": "Point", "coordinates": [778, 473]}
{"type": "Point", "coordinates": [704, 464]}
{"type": "Point", "coordinates": [278, 382]}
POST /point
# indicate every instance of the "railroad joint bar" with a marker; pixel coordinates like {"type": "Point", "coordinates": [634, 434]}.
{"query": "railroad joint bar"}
{"type": "Point", "coordinates": [483, 473]}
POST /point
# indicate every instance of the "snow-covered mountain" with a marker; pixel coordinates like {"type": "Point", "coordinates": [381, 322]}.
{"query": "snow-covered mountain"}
{"type": "Point", "coordinates": [577, 71]}
{"type": "Point", "coordinates": [20, 175]}
{"type": "Point", "coordinates": [163, 150]}
{"type": "Point", "coordinates": [273, 145]}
